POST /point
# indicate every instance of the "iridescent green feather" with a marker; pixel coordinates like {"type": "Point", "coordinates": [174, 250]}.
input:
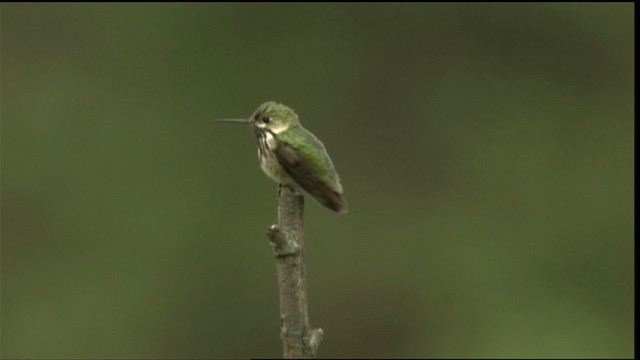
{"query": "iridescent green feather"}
{"type": "Point", "coordinates": [313, 153]}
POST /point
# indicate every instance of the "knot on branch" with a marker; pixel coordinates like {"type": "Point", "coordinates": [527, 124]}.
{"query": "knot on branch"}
{"type": "Point", "coordinates": [313, 339]}
{"type": "Point", "coordinates": [282, 245]}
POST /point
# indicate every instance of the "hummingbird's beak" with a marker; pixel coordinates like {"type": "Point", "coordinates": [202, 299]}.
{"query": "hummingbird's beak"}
{"type": "Point", "coordinates": [233, 120]}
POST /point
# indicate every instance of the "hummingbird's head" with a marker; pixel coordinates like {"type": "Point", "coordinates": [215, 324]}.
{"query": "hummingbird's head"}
{"type": "Point", "coordinates": [273, 117]}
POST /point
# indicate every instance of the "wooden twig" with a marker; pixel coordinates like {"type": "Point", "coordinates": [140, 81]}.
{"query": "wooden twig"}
{"type": "Point", "coordinates": [287, 240]}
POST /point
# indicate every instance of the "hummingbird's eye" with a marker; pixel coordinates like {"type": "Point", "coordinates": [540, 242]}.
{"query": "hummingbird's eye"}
{"type": "Point", "coordinates": [266, 119]}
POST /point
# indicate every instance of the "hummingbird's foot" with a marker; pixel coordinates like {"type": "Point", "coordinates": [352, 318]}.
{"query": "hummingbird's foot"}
{"type": "Point", "coordinates": [281, 244]}
{"type": "Point", "coordinates": [292, 188]}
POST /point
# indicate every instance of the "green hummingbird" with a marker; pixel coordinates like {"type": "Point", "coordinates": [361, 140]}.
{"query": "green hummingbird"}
{"type": "Point", "coordinates": [293, 156]}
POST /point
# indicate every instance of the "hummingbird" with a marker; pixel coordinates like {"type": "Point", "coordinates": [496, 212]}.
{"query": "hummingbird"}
{"type": "Point", "coordinates": [292, 156]}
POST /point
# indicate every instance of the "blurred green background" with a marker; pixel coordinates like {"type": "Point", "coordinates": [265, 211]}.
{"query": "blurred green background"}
{"type": "Point", "coordinates": [486, 152]}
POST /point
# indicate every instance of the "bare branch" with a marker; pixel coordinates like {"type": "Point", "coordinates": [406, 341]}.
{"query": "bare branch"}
{"type": "Point", "coordinates": [287, 240]}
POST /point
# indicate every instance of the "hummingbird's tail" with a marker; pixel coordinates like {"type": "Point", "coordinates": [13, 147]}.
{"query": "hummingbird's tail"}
{"type": "Point", "coordinates": [340, 206]}
{"type": "Point", "coordinates": [329, 198]}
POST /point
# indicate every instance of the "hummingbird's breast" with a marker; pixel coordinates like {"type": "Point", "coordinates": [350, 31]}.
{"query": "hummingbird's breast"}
{"type": "Point", "coordinates": [268, 161]}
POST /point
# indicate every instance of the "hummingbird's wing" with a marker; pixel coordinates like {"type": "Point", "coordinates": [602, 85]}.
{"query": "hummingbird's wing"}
{"type": "Point", "coordinates": [309, 165]}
